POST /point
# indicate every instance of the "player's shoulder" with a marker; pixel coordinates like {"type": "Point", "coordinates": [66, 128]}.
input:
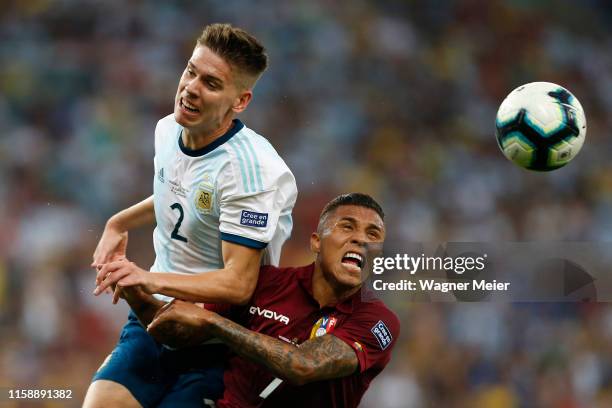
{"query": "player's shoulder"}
{"type": "Point", "coordinates": [375, 313]}
{"type": "Point", "coordinates": [166, 124]}
{"type": "Point", "coordinates": [275, 278]}
{"type": "Point", "coordinates": [255, 163]}
{"type": "Point", "coordinates": [250, 137]}
{"type": "Point", "coordinates": [166, 130]}
{"type": "Point", "coordinates": [258, 150]}
{"type": "Point", "coordinates": [271, 273]}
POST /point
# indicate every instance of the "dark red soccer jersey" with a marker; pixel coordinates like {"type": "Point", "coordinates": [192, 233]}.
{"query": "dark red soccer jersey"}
{"type": "Point", "coordinates": [282, 306]}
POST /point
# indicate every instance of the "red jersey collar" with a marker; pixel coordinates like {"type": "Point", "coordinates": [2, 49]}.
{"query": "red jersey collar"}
{"type": "Point", "coordinates": [304, 276]}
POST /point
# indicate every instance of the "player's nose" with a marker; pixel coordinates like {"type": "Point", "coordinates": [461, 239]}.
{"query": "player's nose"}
{"type": "Point", "coordinates": [191, 87]}
{"type": "Point", "coordinates": [359, 238]}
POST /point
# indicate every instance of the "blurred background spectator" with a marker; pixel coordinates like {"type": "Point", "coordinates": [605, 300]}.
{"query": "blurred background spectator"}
{"type": "Point", "coordinates": [394, 98]}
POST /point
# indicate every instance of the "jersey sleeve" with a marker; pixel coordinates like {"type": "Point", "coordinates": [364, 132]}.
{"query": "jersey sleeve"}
{"type": "Point", "coordinates": [371, 332]}
{"type": "Point", "coordinates": [249, 217]}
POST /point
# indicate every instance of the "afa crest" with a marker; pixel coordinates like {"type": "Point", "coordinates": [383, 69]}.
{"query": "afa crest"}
{"type": "Point", "coordinates": [204, 201]}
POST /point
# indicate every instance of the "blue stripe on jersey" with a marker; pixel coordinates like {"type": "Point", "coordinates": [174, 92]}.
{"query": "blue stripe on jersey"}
{"type": "Point", "coordinates": [249, 164]}
{"type": "Point", "coordinates": [248, 242]}
{"type": "Point", "coordinates": [241, 162]}
{"type": "Point", "coordinates": [256, 162]}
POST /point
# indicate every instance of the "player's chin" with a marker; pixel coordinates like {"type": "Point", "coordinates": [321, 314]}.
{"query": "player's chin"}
{"type": "Point", "coordinates": [350, 275]}
{"type": "Point", "coordinates": [185, 118]}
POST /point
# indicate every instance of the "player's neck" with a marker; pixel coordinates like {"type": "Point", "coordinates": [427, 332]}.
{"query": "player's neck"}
{"type": "Point", "coordinates": [328, 294]}
{"type": "Point", "coordinates": [195, 139]}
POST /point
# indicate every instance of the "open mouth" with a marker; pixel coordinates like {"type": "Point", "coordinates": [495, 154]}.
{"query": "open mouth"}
{"type": "Point", "coordinates": [353, 260]}
{"type": "Point", "coordinates": [188, 106]}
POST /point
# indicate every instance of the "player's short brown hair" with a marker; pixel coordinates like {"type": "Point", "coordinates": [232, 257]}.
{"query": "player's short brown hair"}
{"type": "Point", "coordinates": [358, 199]}
{"type": "Point", "coordinates": [240, 49]}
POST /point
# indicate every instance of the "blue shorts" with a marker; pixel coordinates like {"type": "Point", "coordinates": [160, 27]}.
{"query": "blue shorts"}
{"type": "Point", "coordinates": [159, 377]}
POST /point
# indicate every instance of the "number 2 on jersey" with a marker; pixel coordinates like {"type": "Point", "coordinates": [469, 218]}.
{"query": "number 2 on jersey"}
{"type": "Point", "coordinates": [175, 232]}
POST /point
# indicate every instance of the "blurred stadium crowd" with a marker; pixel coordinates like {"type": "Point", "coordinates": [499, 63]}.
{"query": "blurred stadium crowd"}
{"type": "Point", "coordinates": [393, 98]}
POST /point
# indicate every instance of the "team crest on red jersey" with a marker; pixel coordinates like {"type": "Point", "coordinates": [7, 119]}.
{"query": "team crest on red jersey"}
{"type": "Point", "coordinates": [323, 326]}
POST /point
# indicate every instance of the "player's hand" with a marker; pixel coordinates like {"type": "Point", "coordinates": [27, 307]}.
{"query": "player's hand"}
{"type": "Point", "coordinates": [123, 273]}
{"type": "Point", "coordinates": [112, 246]}
{"type": "Point", "coordinates": [133, 295]}
{"type": "Point", "coordinates": [180, 324]}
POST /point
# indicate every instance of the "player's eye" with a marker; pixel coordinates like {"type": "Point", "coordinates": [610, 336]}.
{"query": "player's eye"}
{"type": "Point", "coordinates": [212, 85]}
{"type": "Point", "coordinates": [346, 226]}
{"type": "Point", "coordinates": [190, 72]}
{"type": "Point", "coordinates": [374, 235]}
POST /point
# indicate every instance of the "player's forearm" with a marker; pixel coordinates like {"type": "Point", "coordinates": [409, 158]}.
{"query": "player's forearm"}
{"type": "Point", "coordinates": [234, 284]}
{"type": "Point", "coordinates": [313, 361]}
{"type": "Point", "coordinates": [220, 286]}
{"type": "Point", "coordinates": [283, 359]}
{"type": "Point", "coordinates": [144, 309]}
{"type": "Point", "coordinates": [138, 215]}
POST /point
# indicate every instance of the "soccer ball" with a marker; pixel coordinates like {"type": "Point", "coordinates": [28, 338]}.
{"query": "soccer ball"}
{"type": "Point", "coordinates": [540, 126]}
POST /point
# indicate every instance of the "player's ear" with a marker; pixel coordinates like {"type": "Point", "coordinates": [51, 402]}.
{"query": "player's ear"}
{"type": "Point", "coordinates": [315, 243]}
{"type": "Point", "coordinates": [242, 101]}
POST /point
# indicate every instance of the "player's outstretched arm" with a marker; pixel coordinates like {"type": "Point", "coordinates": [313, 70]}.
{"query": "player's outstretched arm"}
{"type": "Point", "coordinates": [317, 359]}
{"type": "Point", "coordinates": [144, 305]}
{"type": "Point", "coordinates": [233, 284]}
{"type": "Point", "coordinates": [184, 332]}
{"type": "Point", "coordinates": [321, 358]}
{"type": "Point", "coordinates": [113, 243]}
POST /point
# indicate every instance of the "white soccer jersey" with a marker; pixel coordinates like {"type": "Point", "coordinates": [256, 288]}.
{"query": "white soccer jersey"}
{"type": "Point", "coordinates": [236, 189]}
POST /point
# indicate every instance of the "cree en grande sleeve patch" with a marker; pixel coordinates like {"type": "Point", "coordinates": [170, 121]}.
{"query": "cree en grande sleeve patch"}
{"type": "Point", "coordinates": [382, 334]}
{"type": "Point", "coordinates": [254, 219]}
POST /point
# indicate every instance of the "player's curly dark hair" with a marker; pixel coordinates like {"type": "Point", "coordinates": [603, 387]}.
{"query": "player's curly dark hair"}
{"type": "Point", "coordinates": [239, 48]}
{"type": "Point", "coordinates": [358, 199]}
